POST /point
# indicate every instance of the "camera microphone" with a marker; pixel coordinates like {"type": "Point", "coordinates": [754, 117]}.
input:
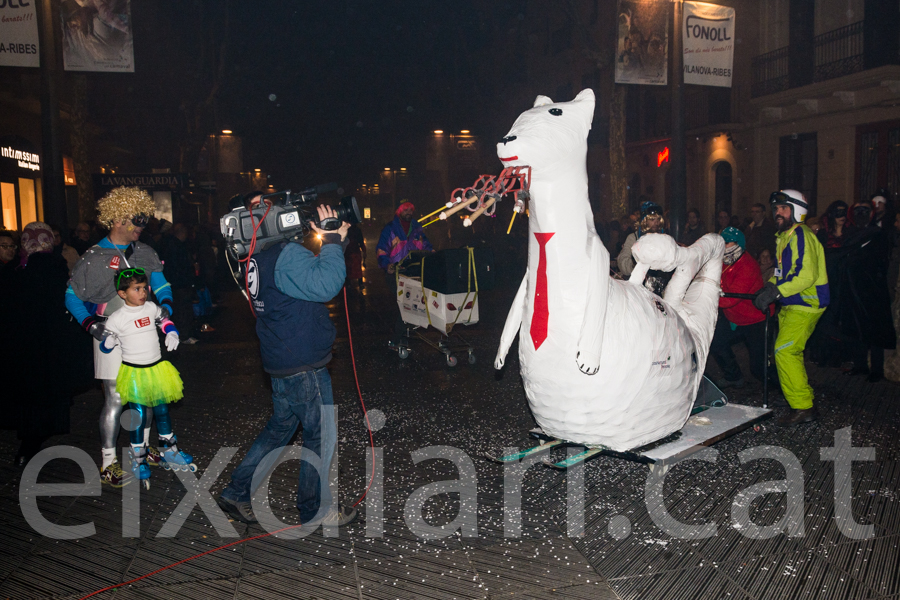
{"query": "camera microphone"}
{"type": "Point", "coordinates": [322, 188]}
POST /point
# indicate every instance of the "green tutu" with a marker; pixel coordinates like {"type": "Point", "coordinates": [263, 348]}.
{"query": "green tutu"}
{"type": "Point", "coordinates": [150, 386]}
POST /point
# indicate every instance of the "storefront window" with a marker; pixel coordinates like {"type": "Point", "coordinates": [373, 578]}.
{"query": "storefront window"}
{"type": "Point", "coordinates": [8, 195]}
{"type": "Point", "coordinates": [28, 201]}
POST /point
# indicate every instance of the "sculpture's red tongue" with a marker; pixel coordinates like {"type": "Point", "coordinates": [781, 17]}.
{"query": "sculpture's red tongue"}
{"type": "Point", "coordinates": [541, 314]}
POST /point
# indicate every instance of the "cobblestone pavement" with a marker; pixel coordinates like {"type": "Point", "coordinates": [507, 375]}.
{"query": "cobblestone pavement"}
{"type": "Point", "coordinates": [618, 553]}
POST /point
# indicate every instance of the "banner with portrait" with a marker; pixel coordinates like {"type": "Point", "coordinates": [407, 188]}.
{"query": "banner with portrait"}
{"type": "Point", "coordinates": [642, 51]}
{"type": "Point", "coordinates": [97, 36]}
{"type": "Point", "coordinates": [708, 34]}
{"type": "Point", "coordinates": [18, 35]}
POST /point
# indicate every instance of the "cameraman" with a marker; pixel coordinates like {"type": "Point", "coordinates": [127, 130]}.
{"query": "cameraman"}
{"type": "Point", "coordinates": [289, 286]}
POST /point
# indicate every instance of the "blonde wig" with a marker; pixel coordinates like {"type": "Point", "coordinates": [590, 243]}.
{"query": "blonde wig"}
{"type": "Point", "coordinates": [123, 203]}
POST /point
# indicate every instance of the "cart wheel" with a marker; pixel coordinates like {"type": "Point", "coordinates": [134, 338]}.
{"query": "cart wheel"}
{"type": "Point", "coordinates": [146, 484]}
{"type": "Point", "coordinates": [403, 352]}
{"type": "Point", "coordinates": [451, 361]}
{"type": "Point", "coordinates": [471, 358]}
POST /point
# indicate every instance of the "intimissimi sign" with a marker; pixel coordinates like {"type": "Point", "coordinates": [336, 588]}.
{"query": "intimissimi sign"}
{"type": "Point", "coordinates": [23, 159]}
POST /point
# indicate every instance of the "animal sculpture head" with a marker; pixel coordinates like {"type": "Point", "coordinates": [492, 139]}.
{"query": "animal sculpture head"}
{"type": "Point", "coordinates": [549, 135]}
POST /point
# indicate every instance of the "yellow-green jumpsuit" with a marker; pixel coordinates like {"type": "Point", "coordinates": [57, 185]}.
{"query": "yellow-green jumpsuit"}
{"type": "Point", "coordinates": [803, 284]}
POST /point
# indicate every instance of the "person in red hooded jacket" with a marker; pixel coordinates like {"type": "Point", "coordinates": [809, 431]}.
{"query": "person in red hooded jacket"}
{"type": "Point", "coordinates": [739, 319]}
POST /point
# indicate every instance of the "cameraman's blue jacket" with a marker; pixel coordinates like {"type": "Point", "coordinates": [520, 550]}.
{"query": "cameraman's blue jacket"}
{"type": "Point", "coordinates": [288, 286]}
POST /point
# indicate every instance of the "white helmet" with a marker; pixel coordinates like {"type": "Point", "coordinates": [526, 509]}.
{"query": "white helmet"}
{"type": "Point", "coordinates": [794, 199]}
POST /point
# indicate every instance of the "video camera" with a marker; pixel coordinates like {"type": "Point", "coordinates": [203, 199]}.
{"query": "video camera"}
{"type": "Point", "coordinates": [281, 216]}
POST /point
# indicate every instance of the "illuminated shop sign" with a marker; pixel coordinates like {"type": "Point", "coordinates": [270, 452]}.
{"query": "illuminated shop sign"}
{"type": "Point", "coordinates": [662, 157]}
{"type": "Point", "coordinates": [25, 160]}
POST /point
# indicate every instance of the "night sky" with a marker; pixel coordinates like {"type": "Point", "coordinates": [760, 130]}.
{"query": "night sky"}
{"type": "Point", "coordinates": [318, 90]}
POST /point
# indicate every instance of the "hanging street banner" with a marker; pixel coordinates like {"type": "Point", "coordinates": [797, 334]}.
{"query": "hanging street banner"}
{"type": "Point", "coordinates": [642, 51]}
{"type": "Point", "coordinates": [18, 34]}
{"type": "Point", "coordinates": [97, 36]}
{"type": "Point", "coordinates": [708, 35]}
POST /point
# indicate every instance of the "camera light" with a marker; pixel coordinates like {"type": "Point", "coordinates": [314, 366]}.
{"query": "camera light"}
{"type": "Point", "coordinates": [226, 131]}
{"type": "Point", "coordinates": [439, 131]}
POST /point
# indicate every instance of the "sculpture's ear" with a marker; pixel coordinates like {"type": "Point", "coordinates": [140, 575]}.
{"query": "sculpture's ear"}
{"type": "Point", "coordinates": [585, 101]}
{"type": "Point", "coordinates": [542, 100]}
{"type": "Point", "coordinates": [585, 95]}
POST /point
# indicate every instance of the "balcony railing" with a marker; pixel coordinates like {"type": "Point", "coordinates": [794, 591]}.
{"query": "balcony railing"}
{"type": "Point", "coordinates": [837, 53]}
{"type": "Point", "coordinates": [770, 72]}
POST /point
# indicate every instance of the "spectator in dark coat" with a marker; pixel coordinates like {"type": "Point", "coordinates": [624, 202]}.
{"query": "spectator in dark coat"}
{"type": "Point", "coordinates": [178, 267]}
{"type": "Point", "coordinates": [355, 255]}
{"type": "Point", "coordinates": [81, 241]}
{"type": "Point", "coordinates": [864, 312]}
{"type": "Point", "coordinates": [760, 233]}
{"type": "Point", "coordinates": [723, 220]}
{"type": "Point", "coordinates": [835, 228]}
{"type": "Point", "coordinates": [828, 344]}
{"type": "Point", "coordinates": [694, 229]}
{"type": "Point", "coordinates": [8, 248]}
{"type": "Point", "coordinates": [49, 345]}
{"type": "Point", "coordinates": [884, 212]}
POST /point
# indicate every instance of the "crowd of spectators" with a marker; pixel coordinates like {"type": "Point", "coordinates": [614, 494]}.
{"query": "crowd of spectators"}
{"type": "Point", "coordinates": [862, 255]}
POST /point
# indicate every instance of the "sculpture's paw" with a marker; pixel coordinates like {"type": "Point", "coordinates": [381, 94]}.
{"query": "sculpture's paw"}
{"type": "Point", "coordinates": [588, 362]}
{"type": "Point", "coordinates": [498, 362]}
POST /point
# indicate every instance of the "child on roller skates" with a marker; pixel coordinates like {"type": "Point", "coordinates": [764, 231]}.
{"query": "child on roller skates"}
{"type": "Point", "coordinates": [145, 381]}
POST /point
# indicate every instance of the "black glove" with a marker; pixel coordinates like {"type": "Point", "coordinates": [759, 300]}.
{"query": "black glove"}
{"type": "Point", "coordinates": [94, 326]}
{"type": "Point", "coordinates": [766, 296]}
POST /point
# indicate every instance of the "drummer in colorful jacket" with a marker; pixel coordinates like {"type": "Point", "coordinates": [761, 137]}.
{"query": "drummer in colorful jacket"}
{"type": "Point", "coordinates": [800, 286]}
{"type": "Point", "coordinates": [398, 238]}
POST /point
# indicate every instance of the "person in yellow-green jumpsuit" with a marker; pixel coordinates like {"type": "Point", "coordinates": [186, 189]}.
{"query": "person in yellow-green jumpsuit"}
{"type": "Point", "coordinates": [800, 286]}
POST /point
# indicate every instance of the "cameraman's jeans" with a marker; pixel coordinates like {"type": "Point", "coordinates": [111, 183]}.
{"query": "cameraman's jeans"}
{"type": "Point", "coordinates": [306, 399]}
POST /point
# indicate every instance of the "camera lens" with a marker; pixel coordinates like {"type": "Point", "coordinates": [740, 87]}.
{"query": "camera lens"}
{"type": "Point", "coordinates": [348, 210]}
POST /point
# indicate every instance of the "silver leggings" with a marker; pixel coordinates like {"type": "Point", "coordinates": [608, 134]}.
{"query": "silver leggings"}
{"type": "Point", "coordinates": [111, 413]}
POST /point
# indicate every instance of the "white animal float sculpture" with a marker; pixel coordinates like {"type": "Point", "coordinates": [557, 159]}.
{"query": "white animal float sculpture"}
{"type": "Point", "coordinates": [604, 362]}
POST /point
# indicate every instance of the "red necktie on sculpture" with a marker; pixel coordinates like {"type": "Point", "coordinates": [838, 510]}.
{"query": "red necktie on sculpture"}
{"type": "Point", "coordinates": [541, 314]}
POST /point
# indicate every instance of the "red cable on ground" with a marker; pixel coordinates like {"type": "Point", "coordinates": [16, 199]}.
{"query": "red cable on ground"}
{"type": "Point", "coordinates": [256, 537]}
{"type": "Point", "coordinates": [361, 401]}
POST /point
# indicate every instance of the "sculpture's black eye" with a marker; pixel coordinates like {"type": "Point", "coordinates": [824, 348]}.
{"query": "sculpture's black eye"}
{"type": "Point", "coordinates": [555, 112]}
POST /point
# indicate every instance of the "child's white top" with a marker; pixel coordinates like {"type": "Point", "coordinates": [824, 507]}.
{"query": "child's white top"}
{"type": "Point", "coordinates": [135, 326]}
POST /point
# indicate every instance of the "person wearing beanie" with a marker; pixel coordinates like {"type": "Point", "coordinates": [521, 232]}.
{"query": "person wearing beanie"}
{"type": "Point", "coordinates": [738, 319]}
{"type": "Point", "coordinates": [398, 238]}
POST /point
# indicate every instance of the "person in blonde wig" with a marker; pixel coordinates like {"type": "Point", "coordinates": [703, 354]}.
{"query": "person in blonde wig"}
{"type": "Point", "coordinates": [91, 298]}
